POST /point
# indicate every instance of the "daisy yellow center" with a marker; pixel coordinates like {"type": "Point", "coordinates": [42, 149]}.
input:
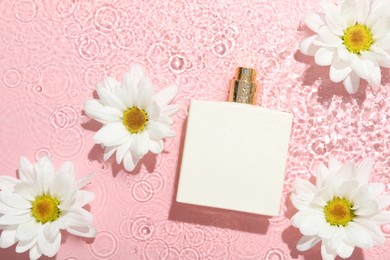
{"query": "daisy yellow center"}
{"type": "Point", "coordinates": [135, 119]}
{"type": "Point", "coordinates": [339, 212]}
{"type": "Point", "coordinates": [357, 38]}
{"type": "Point", "coordinates": [45, 208]}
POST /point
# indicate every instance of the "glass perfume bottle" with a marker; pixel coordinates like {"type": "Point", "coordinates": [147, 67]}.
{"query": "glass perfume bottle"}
{"type": "Point", "coordinates": [235, 152]}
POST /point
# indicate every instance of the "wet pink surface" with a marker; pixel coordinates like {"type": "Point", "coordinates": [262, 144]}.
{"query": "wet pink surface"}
{"type": "Point", "coordinates": [53, 52]}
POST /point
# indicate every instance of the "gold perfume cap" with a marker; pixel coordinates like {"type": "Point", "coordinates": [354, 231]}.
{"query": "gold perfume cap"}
{"type": "Point", "coordinates": [243, 87]}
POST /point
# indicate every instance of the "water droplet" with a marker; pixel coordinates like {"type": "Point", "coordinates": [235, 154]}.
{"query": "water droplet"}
{"type": "Point", "coordinates": [12, 78]}
{"type": "Point", "coordinates": [25, 10]}
{"type": "Point", "coordinates": [64, 117]}
{"type": "Point", "coordinates": [38, 89]}
{"type": "Point", "coordinates": [145, 230]}
{"type": "Point", "coordinates": [105, 18]}
{"type": "Point", "coordinates": [219, 49]}
{"type": "Point", "coordinates": [89, 49]}
{"type": "Point", "coordinates": [43, 151]}
{"type": "Point", "coordinates": [176, 63]}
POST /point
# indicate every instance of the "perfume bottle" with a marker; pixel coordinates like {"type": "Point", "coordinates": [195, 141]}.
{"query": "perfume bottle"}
{"type": "Point", "coordinates": [235, 152]}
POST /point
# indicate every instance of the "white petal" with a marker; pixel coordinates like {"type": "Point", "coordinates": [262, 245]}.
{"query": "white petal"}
{"type": "Point", "coordinates": [350, 11]}
{"type": "Point", "coordinates": [49, 248]}
{"type": "Point", "coordinates": [378, 11]}
{"type": "Point", "coordinates": [335, 23]}
{"type": "Point", "coordinates": [374, 76]}
{"type": "Point", "coordinates": [170, 110]}
{"type": "Point", "coordinates": [313, 21]}
{"type": "Point", "coordinates": [374, 190]}
{"type": "Point", "coordinates": [158, 130]}
{"type": "Point", "coordinates": [312, 225]}
{"type": "Point", "coordinates": [7, 182]}
{"type": "Point", "coordinates": [77, 217]}
{"type": "Point", "coordinates": [129, 84]}
{"type": "Point", "coordinates": [327, 231]}
{"type": "Point", "coordinates": [7, 238]}
{"type": "Point", "coordinates": [84, 231]}
{"type": "Point", "coordinates": [44, 172]}
{"type": "Point", "coordinates": [380, 28]}
{"type": "Point", "coordinates": [23, 246]}
{"type": "Point", "coordinates": [321, 174]}
{"type": "Point", "coordinates": [374, 232]}
{"type": "Point", "coordinates": [324, 194]}
{"type": "Point", "coordinates": [324, 56]}
{"type": "Point", "coordinates": [344, 250]}
{"type": "Point", "coordinates": [111, 84]}
{"type": "Point", "coordinates": [304, 186]}
{"type": "Point", "coordinates": [130, 161]}
{"type": "Point", "coordinates": [348, 189]}
{"type": "Point", "coordinates": [328, 38]}
{"type": "Point", "coordinates": [366, 208]}
{"type": "Point", "coordinates": [334, 165]}
{"type": "Point", "coordinates": [25, 170]}
{"type": "Point", "coordinates": [101, 113]}
{"type": "Point", "coordinates": [140, 143]}
{"type": "Point", "coordinates": [347, 172]}
{"type": "Point", "coordinates": [15, 200]}
{"type": "Point", "coordinates": [68, 199]}
{"type": "Point", "coordinates": [165, 119]}
{"type": "Point", "coordinates": [8, 210]}
{"type": "Point", "coordinates": [153, 111]}
{"type": "Point", "coordinates": [327, 253]}
{"type": "Point", "coordinates": [35, 253]}
{"type": "Point", "coordinates": [362, 67]}
{"type": "Point", "coordinates": [111, 134]}
{"type": "Point", "coordinates": [300, 217]}
{"type": "Point", "coordinates": [28, 230]}
{"type": "Point", "coordinates": [358, 236]}
{"type": "Point", "coordinates": [339, 70]}
{"type": "Point", "coordinates": [27, 190]}
{"type": "Point", "coordinates": [84, 181]}
{"type": "Point", "coordinates": [364, 171]}
{"type": "Point", "coordinates": [381, 218]}
{"type": "Point", "coordinates": [156, 147]}
{"type": "Point", "coordinates": [364, 10]}
{"type": "Point", "coordinates": [307, 242]}
{"type": "Point", "coordinates": [384, 42]}
{"type": "Point", "coordinates": [14, 220]}
{"type": "Point", "coordinates": [166, 96]}
{"type": "Point", "coordinates": [51, 230]}
{"type": "Point", "coordinates": [329, 7]}
{"type": "Point", "coordinates": [62, 183]}
{"type": "Point", "coordinates": [84, 197]}
{"type": "Point", "coordinates": [109, 151]}
{"type": "Point", "coordinates": [123, 148]}
{"type": "Point", "coordinates": [145, 93]}
{"type": "Point", "coordinates": [383, 201]}
{"type": "Point", "coordinates": [307, 47]}
{"type": "Point", "coordinates": [109, 98]}
{"type": "Point", "coordinates": [344, 54]}
{"type": "Point", "coordinates": [351, 83]}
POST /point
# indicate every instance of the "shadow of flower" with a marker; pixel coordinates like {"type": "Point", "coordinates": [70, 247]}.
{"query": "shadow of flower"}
{"type": "Point", "coordinates": [327, 88]}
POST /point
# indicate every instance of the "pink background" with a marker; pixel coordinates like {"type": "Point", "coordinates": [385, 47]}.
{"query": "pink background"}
{"type": "Point", "coordinates": [53, 52]}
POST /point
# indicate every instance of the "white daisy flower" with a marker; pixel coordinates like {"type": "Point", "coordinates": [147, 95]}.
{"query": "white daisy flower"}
{"type": "Point", "coordinates": [37, 206]}
{"type": "Point", "coordinates": [134, 122]}
{"type": "Point", "coordinates": [343, 209]}
{"type": "Point", "coordinates": [353, 38]}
